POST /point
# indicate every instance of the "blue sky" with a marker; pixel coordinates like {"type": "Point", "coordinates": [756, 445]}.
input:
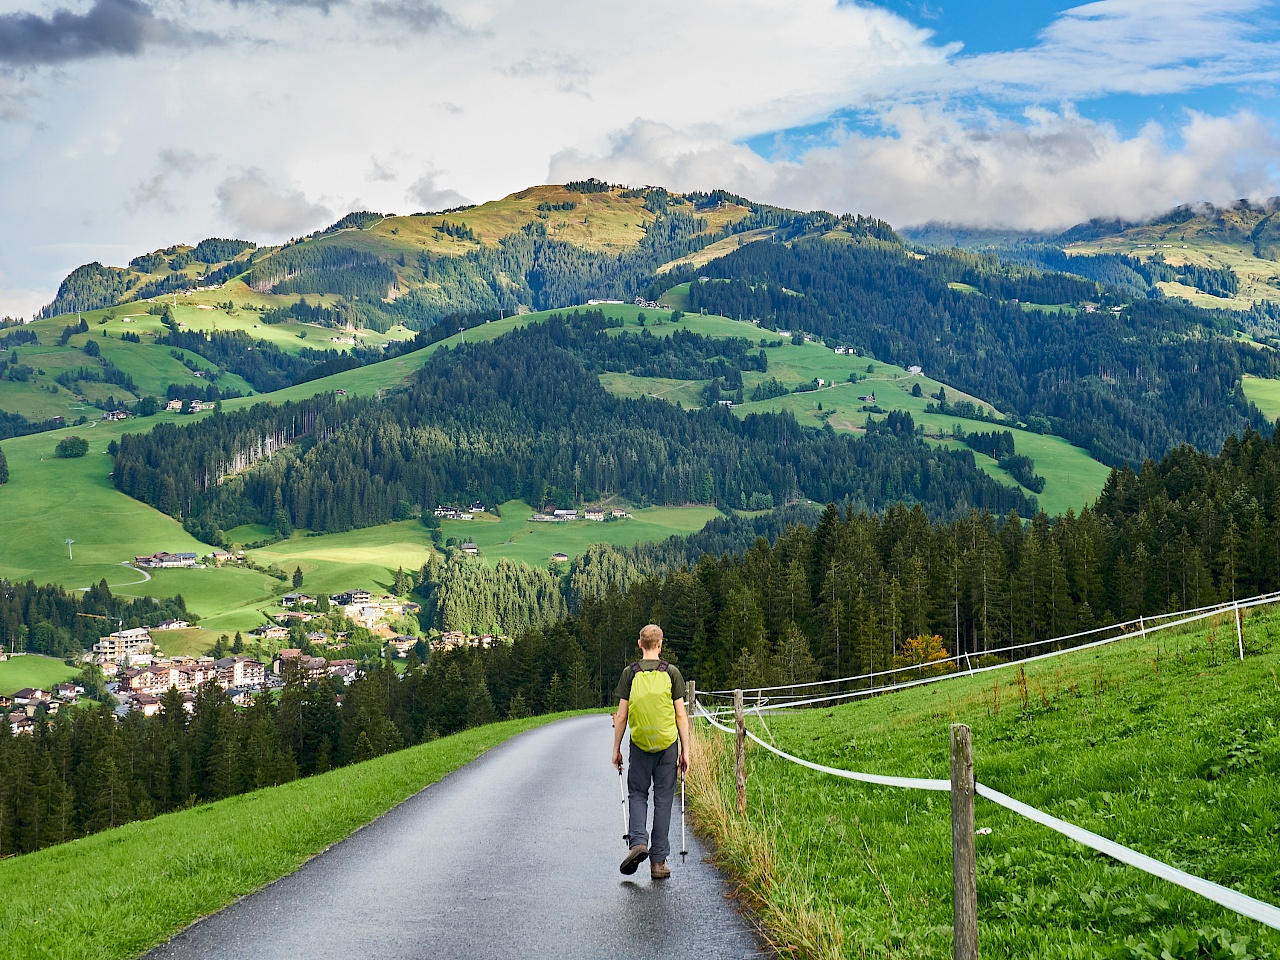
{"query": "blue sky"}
{"type": "Point", "coordinates": [127, 125]}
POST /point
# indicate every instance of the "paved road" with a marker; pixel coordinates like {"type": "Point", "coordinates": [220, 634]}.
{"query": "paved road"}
{"type": "Point", "coordinates": [513, 856]}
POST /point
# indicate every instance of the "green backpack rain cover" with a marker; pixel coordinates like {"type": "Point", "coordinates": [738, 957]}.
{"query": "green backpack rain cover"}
{"type": "Point", "coordinates": [651, 714]}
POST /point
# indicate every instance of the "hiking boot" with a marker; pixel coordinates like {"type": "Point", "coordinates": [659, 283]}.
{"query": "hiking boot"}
{"type": "Point", "coordinates": [658, 869]}
{"type": "Point", "coordinates": [635, 856]}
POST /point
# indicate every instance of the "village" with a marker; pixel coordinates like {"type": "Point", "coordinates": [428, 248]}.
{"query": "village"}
{"type": "Point", "coordinates": [139, 676]}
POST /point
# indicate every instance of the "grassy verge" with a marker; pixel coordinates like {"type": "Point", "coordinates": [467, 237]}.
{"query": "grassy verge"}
{"type": "Point", "coordinates": [1169, 746]}
{"type": "Point", "coordinates": [118, 893]}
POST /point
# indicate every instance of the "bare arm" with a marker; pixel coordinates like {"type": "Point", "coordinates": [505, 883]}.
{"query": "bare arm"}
{"type": "Point", "coordinates": [619, 727]}
{"type": "Point", "coordinates": [682, 724]}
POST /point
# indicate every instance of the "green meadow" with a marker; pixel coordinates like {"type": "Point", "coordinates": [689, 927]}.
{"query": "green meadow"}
{"type": "Point", "coordinates": [116, 894]}
{"type": "Point", "coordinates": [516, 537]}
{"type": "Point", "coordinates": [1168, 745]}
{"type": "Point", "coordinates": [1264, 394]}
{"type": "Point", "coordinates": [30, 670]}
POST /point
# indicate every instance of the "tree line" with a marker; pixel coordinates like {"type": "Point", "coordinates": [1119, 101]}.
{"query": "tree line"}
{"type": "Point", "coordinates": [1189, 530]}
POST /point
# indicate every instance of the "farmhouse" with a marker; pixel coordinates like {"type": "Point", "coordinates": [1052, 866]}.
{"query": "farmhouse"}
{"type": "Point", "coordinates": [559, 558]}
{"type": "Point", "coordinates": [402, 644]}
{"type": "Point", "coordinates": [28, 695]}
{"type": "Point", "coordinates": [166, 560]}
{"type": "Point", "coordinates": [173, 405]}
{"type": "Point", "coordinates": [594, 514]}
{"type": "Point", "coordinates": [270, 632]}
{"type": "Point", "coordinates": [174, 625]}
{"type": "Point", "coordinates": [915, 369]}
{"type": "Point", "coordinates": [351, 596]}
{"type": "Point", "coordinates": [292, 600]}
{"type": "Point", "coordinates": [618, 513]}
{"type": "Point", "coordinates": [470, 549]}
{"type": "Point", "coordinates": [869, 398]}
{"type": "Point", "coordinates": [453, 513]}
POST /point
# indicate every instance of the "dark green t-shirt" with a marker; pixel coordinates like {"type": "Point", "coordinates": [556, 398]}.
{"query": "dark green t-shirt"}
{"type": "Point", "coordinates": [624, 684]}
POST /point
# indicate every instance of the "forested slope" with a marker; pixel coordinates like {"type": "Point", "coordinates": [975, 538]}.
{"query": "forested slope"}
{"type": "Point", "coordinates": [523, 417]}
{"type": "Point", "coordinates": [1124, 385]}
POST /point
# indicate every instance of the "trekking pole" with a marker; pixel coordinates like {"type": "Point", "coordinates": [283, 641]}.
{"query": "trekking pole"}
{"type": "Point", "coordinates": [626, 826]}
{"type": "Point", "coordinates": [684, 847]}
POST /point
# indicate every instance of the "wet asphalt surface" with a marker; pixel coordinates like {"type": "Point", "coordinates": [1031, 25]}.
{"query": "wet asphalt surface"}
{"type": "Point", "coordinates": [513, 856]}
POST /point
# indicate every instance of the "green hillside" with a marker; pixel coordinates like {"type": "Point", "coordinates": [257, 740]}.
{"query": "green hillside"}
{"type": "Point", "coordinates": [30, 670]}
{"type": "Point", "coordinates": [1168, 746]}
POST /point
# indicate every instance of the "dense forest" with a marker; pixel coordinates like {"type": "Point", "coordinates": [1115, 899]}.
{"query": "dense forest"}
{"type": "Point", "coordinates": [59, 623]}
{"type": "Point", "coordinates": [524, 418]}
{"type": "Point", "coordinates": [1124, 385]}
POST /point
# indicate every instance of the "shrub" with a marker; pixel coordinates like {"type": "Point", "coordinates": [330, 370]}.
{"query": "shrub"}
{"type": "Point", "coordinates": [72, 447]}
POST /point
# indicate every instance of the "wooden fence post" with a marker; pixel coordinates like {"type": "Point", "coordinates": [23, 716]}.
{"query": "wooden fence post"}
{"type": "Point", "coordinates": [690, 696]}
{"type": "Point", "coordinates": [963, 856]}
{"type": "Point", "coordinates": [740, 751]}
{"type": "Point", "coordinates": [1239, 630]}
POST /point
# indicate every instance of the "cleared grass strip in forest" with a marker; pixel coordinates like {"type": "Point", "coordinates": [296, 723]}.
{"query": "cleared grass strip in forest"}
{"type": "Point", "coordinates": [116, 894]}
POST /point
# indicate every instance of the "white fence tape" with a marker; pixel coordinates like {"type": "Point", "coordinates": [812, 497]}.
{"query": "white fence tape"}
{"type": "Point", "coordinates": [1242, 904]}
{"type": "Point", "coordinates": [1231, 899]}
{"type": "Point", "coordinates": [909, 783]}
{"type": "Point", "coordinates": [1140, 633]}
{"type": "Point", "coordinates": [1144, 624]}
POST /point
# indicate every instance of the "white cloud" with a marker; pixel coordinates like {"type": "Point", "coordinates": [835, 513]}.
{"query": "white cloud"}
{"type": "Point", "coordinates": [429, 196]}
{"type": "Point", "coordinates": [1051, 170]}
{"type": "Point", "coordinates": [1132, 46]}
{"type": "Point", "coordinates": [251, 202]}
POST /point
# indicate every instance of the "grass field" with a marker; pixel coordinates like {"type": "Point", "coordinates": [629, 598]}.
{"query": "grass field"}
{"type": "Point", "coordinates": [1264, 394]}
{"type": "Point", "coordinates": [1168, 745]}
{"type": "Point", "coordinates": [29, 670]}
{"type": "Point", "coordinates": [1180, 244]}
{"type": "Point", "coordinates": [515, 537]}
{"type": "Point", "coordinates": [114, 895]}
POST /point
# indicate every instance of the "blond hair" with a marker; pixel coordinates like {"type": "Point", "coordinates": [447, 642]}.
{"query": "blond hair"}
{"type": "Point", "coordinates": [650, 637]}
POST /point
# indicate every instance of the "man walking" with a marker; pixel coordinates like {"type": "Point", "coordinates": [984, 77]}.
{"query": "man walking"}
{"type": "Point", "coordinates": [651, 703]}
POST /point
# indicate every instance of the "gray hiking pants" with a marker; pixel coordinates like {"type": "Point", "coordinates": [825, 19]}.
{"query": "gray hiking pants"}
{"type": "Point", "coordinates": [658, 769]}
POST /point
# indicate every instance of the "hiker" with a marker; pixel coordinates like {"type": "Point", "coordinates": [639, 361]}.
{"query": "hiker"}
{"type": "Point", "coordinates": [651, 703]}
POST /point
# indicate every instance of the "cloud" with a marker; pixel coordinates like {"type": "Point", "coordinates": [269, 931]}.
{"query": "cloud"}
{"type": "Point", "coordinates": [1129, 46]}
{"type": "Point", "coordinates": [379, 172]}
{"type": "Point", "coordinates": [569, 73]}
{"type": "Point", "coordinates": [429, 196]}
{"type": "Point", "coordinates": [157, 190]}
{"type": "Point", "coordinates": [109, 28]}
{"type": "Point", "coordinates": [417, 15]}
{"type": "Point", "coordinates": [1048, 170]}
{"type": "Point", "coordinates": [250, 201]}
